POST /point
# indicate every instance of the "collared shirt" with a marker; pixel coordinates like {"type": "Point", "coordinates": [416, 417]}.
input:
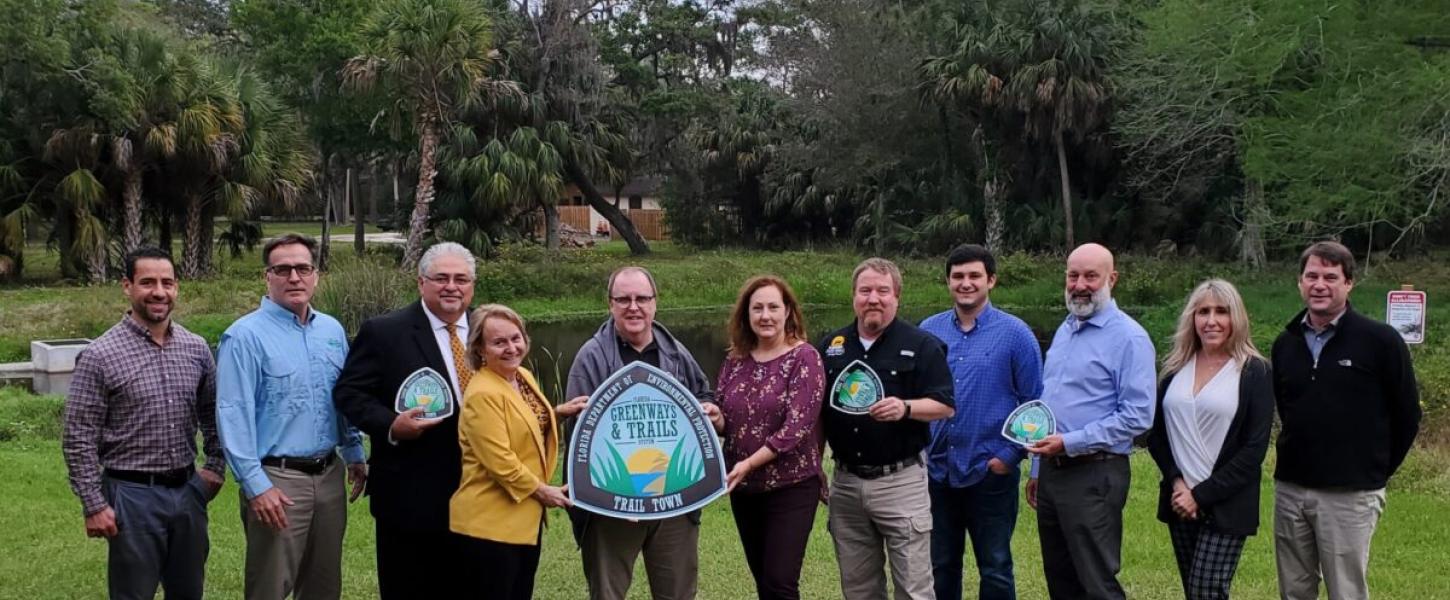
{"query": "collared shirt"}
{"type": "Point", "coordinates": [136, 405]}
{"type": "Point", "coordinates": [1317, 338]}
{"type": "Point", "coordinates": [445, 347]}
{"type": "Point", "coordinates": [650, 355]}
{"type": "Point", "coordinates": [911, 364]}
{"type": "Point", "coordinates": [274, 392]}
{"type": "Point", "coordinates": [1098, 381]}
{"type": "Point", "coordinates": [995, 367]}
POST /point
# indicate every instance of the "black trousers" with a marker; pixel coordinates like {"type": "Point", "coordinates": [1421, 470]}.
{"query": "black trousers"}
{"type": "Point", "coordinates": [498, 571]}
{"type": "Point", "coordinates": [774, 528]}
{"type": "Point", "coordinates": [401, 554]}
{"type": "Point", "coordinates": [1080, 527]}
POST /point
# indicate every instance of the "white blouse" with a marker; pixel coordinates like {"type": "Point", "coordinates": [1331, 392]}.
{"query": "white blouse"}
{"type": "Point", "coordinates": [1197, 425]}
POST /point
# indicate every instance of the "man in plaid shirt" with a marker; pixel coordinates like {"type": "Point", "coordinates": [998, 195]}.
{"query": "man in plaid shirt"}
{"type": "Point", "coordinates": [137, 398]}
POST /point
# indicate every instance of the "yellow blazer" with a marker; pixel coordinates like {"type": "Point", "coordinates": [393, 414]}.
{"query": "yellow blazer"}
{"type": "Point", "coordinates": [505, 458]}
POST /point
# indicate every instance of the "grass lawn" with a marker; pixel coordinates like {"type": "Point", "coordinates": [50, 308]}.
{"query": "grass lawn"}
{"type": "Point", "coordinates": [50, 557]}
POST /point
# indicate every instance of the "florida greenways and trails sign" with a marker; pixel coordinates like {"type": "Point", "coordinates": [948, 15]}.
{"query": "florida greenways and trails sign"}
{"type": "Point", "coordinates": [644, 449]}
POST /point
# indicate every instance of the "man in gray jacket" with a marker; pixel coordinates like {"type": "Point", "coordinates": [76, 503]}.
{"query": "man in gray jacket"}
{"type": "Point", "coordinates": [610, 545]}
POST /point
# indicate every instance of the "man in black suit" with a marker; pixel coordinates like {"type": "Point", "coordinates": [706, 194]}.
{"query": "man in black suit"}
{"type": "Point", "coordinates": [415, 462]}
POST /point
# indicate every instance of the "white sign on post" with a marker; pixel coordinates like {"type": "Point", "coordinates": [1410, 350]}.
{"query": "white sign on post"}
{"type": "Point", "coordinates": [1405, 311]}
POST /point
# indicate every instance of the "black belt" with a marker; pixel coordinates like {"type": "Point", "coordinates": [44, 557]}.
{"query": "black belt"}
{"type": "Point", "coordinates": [878, 471]}
{"type": "Point", "coordinates": [174, 478]}
{"type": "Point", "coordinates": [1063, 460]}
{"type": "Point", "coordinates": [310, 466]}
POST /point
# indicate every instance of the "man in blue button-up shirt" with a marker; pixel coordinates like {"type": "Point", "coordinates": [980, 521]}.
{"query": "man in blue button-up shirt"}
{"type": "Point", "coordinates": [1099, 382]}
{"type": "Point", "coordinates": [279, 430]}
{"type": "Point", "coordinates": [996, 365]}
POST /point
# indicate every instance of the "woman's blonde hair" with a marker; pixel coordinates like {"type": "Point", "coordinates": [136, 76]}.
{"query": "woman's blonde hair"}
{"type": "Point", "coordinates": [1240, 343]}
{"type": "Point", "coordinates": [475, 330]}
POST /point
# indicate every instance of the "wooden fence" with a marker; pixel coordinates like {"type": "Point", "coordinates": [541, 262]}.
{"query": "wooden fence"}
{"type": "Point", "coordinates": [649, 221]}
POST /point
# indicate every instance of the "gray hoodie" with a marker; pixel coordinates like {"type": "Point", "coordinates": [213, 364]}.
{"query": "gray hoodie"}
{"type": "Point", "coordinates": [599, 358]}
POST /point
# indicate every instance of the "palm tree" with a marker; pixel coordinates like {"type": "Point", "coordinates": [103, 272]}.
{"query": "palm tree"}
{"type": "Point", "coordinates": [434, 58]}
{"type": "Point", "coordinates": [1044, 59]}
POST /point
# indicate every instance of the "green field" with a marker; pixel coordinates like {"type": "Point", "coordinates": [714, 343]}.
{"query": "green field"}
{"type": "Point", "coordinates": [50, 557]}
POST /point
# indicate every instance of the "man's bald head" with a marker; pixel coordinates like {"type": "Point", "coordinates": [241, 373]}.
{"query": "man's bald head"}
{"type": "Point", "coordinates": [1090, 280]}
{"type": "Point", "coordinates": [1094, 255]}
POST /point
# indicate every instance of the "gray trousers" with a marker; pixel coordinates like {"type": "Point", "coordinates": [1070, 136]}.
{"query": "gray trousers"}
{"type": "Point", "coordinates": [306, 558]}
{"type": "Point", "coordinates": [1080, 527]}
{"type": "Point", "coordinates": [161, 539]}
{"type": "Point", "coordinates": [671, 556]}
{"type": "Point", "coordinates": [873, 520]}
{"type": "Point", "coordinates": [1324, 532]}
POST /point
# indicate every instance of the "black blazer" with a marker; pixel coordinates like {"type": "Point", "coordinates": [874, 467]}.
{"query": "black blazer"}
{"type": "Point", "coordinates": [1229, 499]}
{"type": "Point", "coordinates": [411, 483]}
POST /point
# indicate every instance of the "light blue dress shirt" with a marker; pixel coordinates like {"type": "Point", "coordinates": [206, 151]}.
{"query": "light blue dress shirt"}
{"type": "Point", "coordinates": [1099, 382]}
{"type": "Point", "coordinates": [274, 392]}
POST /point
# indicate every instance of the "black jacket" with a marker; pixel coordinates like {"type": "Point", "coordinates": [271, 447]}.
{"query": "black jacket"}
{"type": "Point", "coordinates": [1348, 421]}
{"type": "Point", "coordinates": [411, 483]}
{"type": "Point", "coordinates": [1228, 501]}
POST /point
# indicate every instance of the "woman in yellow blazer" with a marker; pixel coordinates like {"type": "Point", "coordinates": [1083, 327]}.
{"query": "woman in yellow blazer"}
{"type": "Point", "coordinates": [510, 445]}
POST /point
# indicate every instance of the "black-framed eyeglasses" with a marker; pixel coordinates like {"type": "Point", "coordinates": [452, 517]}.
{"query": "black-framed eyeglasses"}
{"type": "Point", "coordinates": [444, 280]}
{"type": "Point", "coordinates": [285, 271]}
{"type": "Point", "coordinates": [625, 301]}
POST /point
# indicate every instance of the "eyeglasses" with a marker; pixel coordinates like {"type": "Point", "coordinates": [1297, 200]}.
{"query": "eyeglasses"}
{"type": "Point", "coordinates": [285, 271]}
{"type": "Point", "coordinates": [444, 280]}
{"type": "Point", "coordinates": [625, 301]}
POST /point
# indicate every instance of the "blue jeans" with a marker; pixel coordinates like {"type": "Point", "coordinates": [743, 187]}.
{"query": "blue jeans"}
{"type": "Point", "coordinates": [987, 512]}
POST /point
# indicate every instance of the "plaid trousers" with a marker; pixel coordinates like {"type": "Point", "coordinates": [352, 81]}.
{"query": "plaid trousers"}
{"type": "Point", "coordinates": [1207, 559]}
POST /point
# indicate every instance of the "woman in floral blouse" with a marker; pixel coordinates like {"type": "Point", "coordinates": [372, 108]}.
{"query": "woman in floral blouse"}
{"type": "Point", "coordinates": [769, 393]}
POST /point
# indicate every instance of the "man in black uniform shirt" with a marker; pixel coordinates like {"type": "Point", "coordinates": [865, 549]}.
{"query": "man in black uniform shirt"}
{"type": "Point", "coordinates": [879, 506]}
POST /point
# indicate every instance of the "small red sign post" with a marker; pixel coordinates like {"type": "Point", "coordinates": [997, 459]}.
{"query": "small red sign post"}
{"type": "Point", "coordinates": [1405, 311]}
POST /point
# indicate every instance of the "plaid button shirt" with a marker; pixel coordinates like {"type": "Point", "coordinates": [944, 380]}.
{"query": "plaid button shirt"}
{"type": "Point", "coordinates": [136, 405]}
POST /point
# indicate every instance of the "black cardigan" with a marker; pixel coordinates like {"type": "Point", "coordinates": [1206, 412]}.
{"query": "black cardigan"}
{"type": "Point", "coordinates": [1228, 501]}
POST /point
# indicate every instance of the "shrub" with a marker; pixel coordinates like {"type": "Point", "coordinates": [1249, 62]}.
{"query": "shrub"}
{"type": "Point", "coordinates": [358, 289]}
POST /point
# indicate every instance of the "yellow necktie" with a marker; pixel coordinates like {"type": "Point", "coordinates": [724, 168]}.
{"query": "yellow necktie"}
{"type": "Point", "coordinates": [459, 362]}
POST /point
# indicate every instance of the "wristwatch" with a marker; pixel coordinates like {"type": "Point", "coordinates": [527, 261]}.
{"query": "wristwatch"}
{"type": "Point", "coordinates": [906, 415]}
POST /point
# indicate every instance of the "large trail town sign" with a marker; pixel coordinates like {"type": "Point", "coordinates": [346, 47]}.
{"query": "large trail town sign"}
{"type": "Point", "coordinates": [644, 449]}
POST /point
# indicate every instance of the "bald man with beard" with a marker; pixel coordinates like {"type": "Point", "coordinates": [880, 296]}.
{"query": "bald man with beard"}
{"type": "Point", "coordinates": [1098, 380]}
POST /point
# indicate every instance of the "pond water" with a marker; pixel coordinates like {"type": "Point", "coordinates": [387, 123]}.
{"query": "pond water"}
{"type": "Point", "coordinates": [703, 332]}
{"type": "Point", "coordinates": [555, 343]}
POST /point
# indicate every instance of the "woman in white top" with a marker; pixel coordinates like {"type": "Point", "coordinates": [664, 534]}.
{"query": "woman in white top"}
{"type": "Point", "coordinates": [1210, 433]}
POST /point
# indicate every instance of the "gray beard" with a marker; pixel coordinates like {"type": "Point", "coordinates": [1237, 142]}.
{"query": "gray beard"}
{"type": "Point", "coordinates": [1084, 311]}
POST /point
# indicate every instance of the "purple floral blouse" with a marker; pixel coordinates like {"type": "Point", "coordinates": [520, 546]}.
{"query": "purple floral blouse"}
{"type": "Point", "coordinates": [776, 403]}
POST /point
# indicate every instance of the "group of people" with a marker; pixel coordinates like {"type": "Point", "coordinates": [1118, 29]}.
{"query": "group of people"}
{"type": "Point", "coordinates": [460, 502]}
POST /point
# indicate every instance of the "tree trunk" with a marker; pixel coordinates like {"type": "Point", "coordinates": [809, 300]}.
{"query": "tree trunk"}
{"type": "Point", "coordinates": [621, 223]}
{"type": "Point", "coordinates": [551, 225]}
{"type": "Point", "coordinates": [1251, 236]}
{"type": "Point", "coordinates": [992, 206]}
{"type": "Point", "coordinates": [1066, 192]}
{"type": "Point", "coordinates": [423, 195]}
{"type": "Point", "coordinates": [329, 192]}
{"type": "Point", "coordinates": [359, 242]}
{"type": "Point", "coordinates": [96, 264]}
{"type": "Point", "coordinates": [192, 245]}
{"type": "Point", "coordinates": [880, 222]}
{"type": "Point", "coordinates": [132, 228]}
{"type": "Point", "coordinates": [163, 227]}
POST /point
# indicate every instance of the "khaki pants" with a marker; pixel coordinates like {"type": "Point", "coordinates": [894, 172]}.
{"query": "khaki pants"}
{"type": "Point", "coordinates": [1324, 533]}
{"type": "Point", "coordinates": [671, 556]}
{"type": "Point", "coordinates": [305, 558]}
{"type": "Point", "coordinates": [872, 520]}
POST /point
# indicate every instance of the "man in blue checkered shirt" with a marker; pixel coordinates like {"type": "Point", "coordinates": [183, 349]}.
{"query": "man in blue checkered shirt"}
{"type": "Point", "coordinates": [996, 365]}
